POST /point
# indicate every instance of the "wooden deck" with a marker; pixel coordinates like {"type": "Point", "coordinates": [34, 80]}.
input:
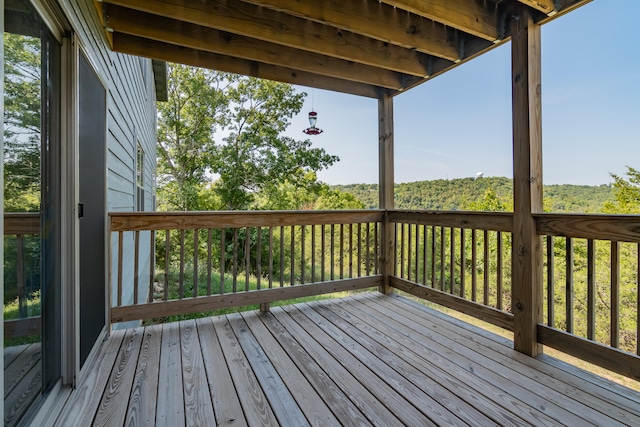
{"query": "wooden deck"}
{"type": "Point", "coordinates": [365, 360]}
{"type": "Point", "coordinates": [22, 380]}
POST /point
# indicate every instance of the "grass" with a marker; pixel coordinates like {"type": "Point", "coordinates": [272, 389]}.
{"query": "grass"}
{"type": "Point", "coordinates": [12, 311]}
{"type": "Point", "coordinates": [586, 366]}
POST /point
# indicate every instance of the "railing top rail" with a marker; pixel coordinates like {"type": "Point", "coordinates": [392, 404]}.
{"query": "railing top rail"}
{"type": "Point", "coordinates": [132, 221]}
{"type": "Point", "coordinates": [19, 223]}
{"type": "Point", "coordinates": [622, 228]}
{"type": "Point", "coordinates": [498, 221]}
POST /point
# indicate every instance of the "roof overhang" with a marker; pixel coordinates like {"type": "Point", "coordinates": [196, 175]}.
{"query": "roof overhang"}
{"type": "Point", "coordinates": [361, 47]}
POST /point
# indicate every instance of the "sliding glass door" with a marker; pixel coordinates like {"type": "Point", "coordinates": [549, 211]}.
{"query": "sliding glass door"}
{"type": "Point", "coordinates": [31, 125]}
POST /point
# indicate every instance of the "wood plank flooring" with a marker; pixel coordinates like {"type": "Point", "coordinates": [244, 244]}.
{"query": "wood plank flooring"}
{"type": "Point", "coordinates": [22, 380]}
{"type": "Point", "coordinates": [364, 360]}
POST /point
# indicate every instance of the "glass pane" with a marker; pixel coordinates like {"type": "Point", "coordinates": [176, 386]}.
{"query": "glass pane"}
{"type": "Point", "coordinates": [31, 198]}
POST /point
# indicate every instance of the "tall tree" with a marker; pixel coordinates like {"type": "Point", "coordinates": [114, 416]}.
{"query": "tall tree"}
{"type": "Point", "coordinates": [250, 157]}
{"type": "Point", "coordinates": [627, 193]}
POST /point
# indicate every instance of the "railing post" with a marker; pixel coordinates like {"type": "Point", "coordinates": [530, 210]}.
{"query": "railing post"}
{"type": "Point", "coordinates": [385, 187]}
{"type": "Point", "coordinates": [527, 182]}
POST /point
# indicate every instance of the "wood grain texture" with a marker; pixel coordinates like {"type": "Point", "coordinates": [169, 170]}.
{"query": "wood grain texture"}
{"type": "Point", "coordinates": [225, 399]}
{"type": "Point", "coordinates": [622, 228]}
{"type": "Point", "coordinates": [283, 404]}
{"type": "Point", "coordinates": [479, 311]}
{"type": "Point", "coordinates": [308, 399]}
{"type": "Point", "coordinates": [172, 31]}
{"type": "Point", "coordinates": [497, 221]}
{"type": "Point", "coordinates": [527, 181]}
{"type": "Point", "coordinates": [197, 400]}
{"type": "Point", "coordinates": [144, 391]}
{"type": "Point", "coordinates": [82, 408]}
{"type": "Point", "coordinates": [624, 363]}
{"type": "Point", "coordinates": [24, 327]}
{"type": "Point", "coordinates": [170, 405]}
{"type": "Point", "coordinates": [20, 365]}
{"type": "Point", "coordinates": [21, 223]}
{"type": "Point", "coordinates": [255, 405]}
{"type": "Point", "coordinates": [329, 391]}
{"type": "Point", "coordinates": [139, 46]}
{"type": "Point", "coordinates": [131, 221]}
{"type": "Point", "coordinates": [213, 302]}
{"type": "Point", "coordinates": [115, 400]}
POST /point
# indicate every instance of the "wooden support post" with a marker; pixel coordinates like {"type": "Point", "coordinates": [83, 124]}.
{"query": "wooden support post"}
{"type": "Point", "coordinates": [527, 182]}
{"type": "Point", "coordinates": [385, 187]}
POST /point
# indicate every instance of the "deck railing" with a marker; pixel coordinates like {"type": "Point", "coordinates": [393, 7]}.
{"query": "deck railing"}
{"type": "Point", "coordinates": [22, 245]}
{"type": "Point", "coordinates": [201, 261]}
{"type": "Point", "coordinates": [592, 288]}
{"type": "Point", "coordinates": [462, 260]}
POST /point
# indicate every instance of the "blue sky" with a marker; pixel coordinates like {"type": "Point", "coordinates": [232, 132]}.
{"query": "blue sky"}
{"type": "Point", "coordinates": [459, 123]}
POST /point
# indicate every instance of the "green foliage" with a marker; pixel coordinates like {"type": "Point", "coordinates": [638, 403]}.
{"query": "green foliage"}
{"type": "Point", "coordinates": [627, 192]}
{"type": "Point", "coordinates": [482, 194]}
{"type": "Point", "coordinates": [21, 123]}
{"type": "Point", "coordinates": [254, 163]}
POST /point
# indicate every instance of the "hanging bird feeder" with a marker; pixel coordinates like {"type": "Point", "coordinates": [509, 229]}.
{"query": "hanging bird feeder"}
{"type": "Point", "coordinates": [313, 130]}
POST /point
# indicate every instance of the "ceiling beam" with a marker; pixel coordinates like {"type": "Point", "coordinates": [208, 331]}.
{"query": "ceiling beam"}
{"type": "Point", "coordinates": [546, 6]}
{"type": "Point", "coordinates": [371, 19]}
{"type": "Point", "coordinates": [207, 39]}
{"type": "Point", "coordinates": [275, 27]}
{"type": "Point", "coordinates": [469, 16]}
{"type": "Point", "coordinates": [133, 45]}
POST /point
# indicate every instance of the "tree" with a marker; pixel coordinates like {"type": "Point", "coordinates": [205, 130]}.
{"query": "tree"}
{"type": "Point", "coordinates": [22, 123]}
{"type": "Point", "coordinates": [627, 193]}
{"type": "Point", "coordinates": [251, 157]}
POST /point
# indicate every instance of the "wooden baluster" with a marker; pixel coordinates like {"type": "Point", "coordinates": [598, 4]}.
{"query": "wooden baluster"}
{"type": "Point", "coordinates": [359, 258]}
{"type": "Point", "coordinates": [195, 262]}
{"type": "Point", "coordinates": [234, 270]}
{"type": "Point", "coordinates": [615, 294]}
{"type": "Point", "coordinates": [402, 239]}
{"type": "Point", "coordinates": [152, 264]}
{"type": "Point", "coordinates": [376, 248]}
{"type": "Point", "coordinates": [292, 278]}
{"type": "Point", "coordinates": [463, 261]}
{"type": "Point", "coordinates": [223, 253]}
{"type": "Point", "coordinates": [313, 253]}
{"type": "Point", "coordinates": [209, 259]}
{"type": "Point", "coordinates": [433, 256]}
{"type": "Point", "coordinates": [333, 249]}
{"type": "Point", "coordinates": [120, 260]}
{"type": "Point", "coordinates": [474, 265]}
{"type": "Point", "coordinates": [167, 262]}
{"type": "Point", "coordinates": [417, 275]}
{"type": "Point", "coordinates": [281, 256]}
{"type": "Point", "coordinates": [136, 265]}
{"type": "Point", "coordinates": [323, 260]}
{"type": "Point", "coordinates": [569, 284]}
{"type": "Point", "coordinates": [551, 281]}
{"type": "Point", "coordinates": [485, 275]}
{"type": "Point", "coordinates": [452, 260]}
{"type": "Point", "coordinates": [499, 269]}
{"type": "Point", "coordinates": [409, 251]}
{"type": "Point", "coordinates": [258, 257]}
{"type": "Point", "coordinates": [350, 251]}
{"type": "Point", "coordinates": [342, 251]}
{"type": "Point", "coordinates": [302, 253]}
{"type": "Point", "coordinates": [442, 257]}
{"type": "Point", "coordinates": [368, 250]}
{"type": "Point", "coordinates": [22, 283]}
{"type": "Point", "coordinates": [591, 290]}
{"type": "Point", "coordinates": [247, 257]}
{"type": "Point", "coordinates": [270, 257]}
{"type": "Point", "coordinates": [424, 254]}
{"type": "Point", "coordinates": [181, 284]}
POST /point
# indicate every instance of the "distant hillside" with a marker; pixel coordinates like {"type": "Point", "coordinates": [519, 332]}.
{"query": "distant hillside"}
{"type": "Point", "coordinates": [460, 194]}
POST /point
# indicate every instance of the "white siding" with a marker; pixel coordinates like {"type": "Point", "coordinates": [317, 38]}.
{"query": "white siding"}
{"type": "Point", "coordinates": [131, 116]}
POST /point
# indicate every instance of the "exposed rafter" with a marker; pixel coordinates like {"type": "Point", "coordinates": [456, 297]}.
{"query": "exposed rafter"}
{"type": "Point", "coordinates": [362, 47]}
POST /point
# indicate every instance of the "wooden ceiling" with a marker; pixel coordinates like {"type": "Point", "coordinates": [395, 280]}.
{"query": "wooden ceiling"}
{"type": "Point", "coordinates": [361, 47]}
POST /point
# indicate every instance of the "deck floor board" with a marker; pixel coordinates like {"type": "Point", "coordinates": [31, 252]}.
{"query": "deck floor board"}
{"type": "Point", "coordinates": [370, 359]}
